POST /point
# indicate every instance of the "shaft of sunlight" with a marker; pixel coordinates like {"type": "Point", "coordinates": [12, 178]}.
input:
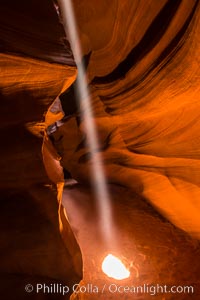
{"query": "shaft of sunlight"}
{"type": "Point", "coordinates": [97, 170]}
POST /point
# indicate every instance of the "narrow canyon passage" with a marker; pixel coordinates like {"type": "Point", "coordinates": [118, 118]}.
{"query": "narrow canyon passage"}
{"type": "Point", "coordinates": [141, 61]}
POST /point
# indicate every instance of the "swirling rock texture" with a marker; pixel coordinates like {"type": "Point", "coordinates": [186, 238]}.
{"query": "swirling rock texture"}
{"type": "Point", "coordinates": [144, 82]}
{"type": "Point", "coordinates": [149, 89]}
{"type": "Point", "coordinates": [143, 78]}
{"type": "Point", "coordinates": [37, 244]}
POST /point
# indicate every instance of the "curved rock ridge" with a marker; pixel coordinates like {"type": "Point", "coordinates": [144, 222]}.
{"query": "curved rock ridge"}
{"type": "Point", "coordinates": [37, 243]}
{"type": "Point", "coordinates": [143, 74]}
{"type": "Point", "coordinates": [148, 120]}
{"type": "Point", "coordinates": [172, 21]}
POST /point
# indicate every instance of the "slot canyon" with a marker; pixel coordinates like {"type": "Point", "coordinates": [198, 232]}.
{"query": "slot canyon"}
{"type": "Point", "coordinates": [141, 67]}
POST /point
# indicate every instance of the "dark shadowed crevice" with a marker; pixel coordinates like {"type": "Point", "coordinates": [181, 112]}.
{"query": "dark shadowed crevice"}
{"type": "Point", "coordinates": [152, 36]}
{"type": "Point", "coordinates": [168, 53]}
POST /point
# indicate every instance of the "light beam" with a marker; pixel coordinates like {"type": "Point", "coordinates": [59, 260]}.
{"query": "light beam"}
{"type": "Point", "coordinates": [97, 171]}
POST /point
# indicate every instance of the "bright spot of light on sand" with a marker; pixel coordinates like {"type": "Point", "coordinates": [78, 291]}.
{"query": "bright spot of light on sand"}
{"type": "Point", "coordinates": [114, 268]}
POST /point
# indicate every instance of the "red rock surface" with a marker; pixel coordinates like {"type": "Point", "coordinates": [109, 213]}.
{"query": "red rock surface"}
{"type": "Point", "coordinates": [37, 244]}
{"type": "Point", "coordinates": [143, 74]}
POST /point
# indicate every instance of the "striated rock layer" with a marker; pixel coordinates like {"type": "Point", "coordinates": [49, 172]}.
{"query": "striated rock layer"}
{"type": "Point", "coordinates": [37, 243]}
{"type": "Point", "coordinates": [143, 74]}
{"type": "Point", "coordinates": [146, 105]}
{"type": "Point", "coordinates": [144, 84]}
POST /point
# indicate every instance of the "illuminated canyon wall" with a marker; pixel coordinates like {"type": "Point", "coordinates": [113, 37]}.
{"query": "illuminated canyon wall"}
{"type": "Point", "coordinates": [143, 74]}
